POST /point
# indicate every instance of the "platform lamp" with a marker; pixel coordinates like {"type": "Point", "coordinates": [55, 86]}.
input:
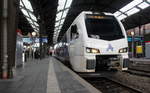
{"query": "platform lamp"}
{"type": "Point", "coordinates": [33, 36]}
{"type": "Point", "coordinates": [132, 34]}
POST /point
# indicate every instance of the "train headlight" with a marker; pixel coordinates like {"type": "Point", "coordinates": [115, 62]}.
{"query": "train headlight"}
{"type": "Point", "coordinates": [88, 50]}
{"type": "Point", "coordinates": [123, 50]}
{"type": "Point", "coordinates": [92, 50]}
{"type": "Point", "coordinates": [95, 51]}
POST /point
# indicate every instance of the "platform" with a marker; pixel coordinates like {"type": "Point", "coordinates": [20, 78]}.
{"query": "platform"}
{"type": "Point", "coordinates": [46, 76]}
{"type": "Point", "coordinates": [141, 64]}
{"type": "Point", "coordinates": [140, 60]}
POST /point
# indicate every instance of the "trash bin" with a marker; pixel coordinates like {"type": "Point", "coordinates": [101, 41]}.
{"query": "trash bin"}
{"type": "Point", "coordinates": [139, 51]}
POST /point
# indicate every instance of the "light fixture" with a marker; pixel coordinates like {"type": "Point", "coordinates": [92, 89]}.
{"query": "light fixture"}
{"type": "Point", "coordinates": [33, 34]}
{"type": "Point", "coordinates": [132, 33]}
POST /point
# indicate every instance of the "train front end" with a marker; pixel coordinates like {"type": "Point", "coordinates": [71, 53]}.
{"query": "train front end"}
{"type": "Point", "coordinates": [105, 43]}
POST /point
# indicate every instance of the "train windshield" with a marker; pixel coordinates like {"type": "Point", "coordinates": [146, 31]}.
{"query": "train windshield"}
{"type": "Point", "coordinates": [103, 27]}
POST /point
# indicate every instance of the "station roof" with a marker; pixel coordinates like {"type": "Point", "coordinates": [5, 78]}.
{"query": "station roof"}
{"type": "Point", "coordinates": [111, 6]}
{"type": "Point", "coordinates": [38, 12]}
{"type": "Point", "coordinates": [23, 24]}
{"type": "Point", "coordinates": [47, 12]}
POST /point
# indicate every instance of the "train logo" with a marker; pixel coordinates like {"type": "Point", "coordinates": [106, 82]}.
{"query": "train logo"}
{"type": "Point", "coordinates": [110, 47]}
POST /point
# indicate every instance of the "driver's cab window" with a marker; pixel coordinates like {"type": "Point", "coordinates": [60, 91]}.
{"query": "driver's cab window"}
{"type": "Point", "coordinates": [74, 33]}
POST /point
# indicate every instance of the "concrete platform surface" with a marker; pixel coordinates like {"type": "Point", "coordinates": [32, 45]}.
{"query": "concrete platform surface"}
{"type": "Point", "coordinates": [141, 64]}
{"type": "Point", "coordinates": [46, 76]}
{"type": "Point", "coordinates": [140, 60]}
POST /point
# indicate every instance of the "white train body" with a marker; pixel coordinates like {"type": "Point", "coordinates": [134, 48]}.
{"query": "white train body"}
{"type": "Point", "coordinates": [94, 40]}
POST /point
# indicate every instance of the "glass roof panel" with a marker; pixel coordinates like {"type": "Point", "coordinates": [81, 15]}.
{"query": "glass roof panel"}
{"type": "Point", "coordinates": [55, 31]}
{"type": "Point", "coordinates": [36, 30]}
{"type": "Point", "coordinates": [21, 3]}
{"type": "Point", "coordinates": [131, 5]}
{"type": "Point", "coordinates": [61, 15]}
{"type": "Point", "coordinates": [27, 4]}
{"type": "Point", "coordinates": [148, 1]}
{"type": "Point", "coordinates": [60, 27]}
{"type": "Point", "coordinates": [33, 17]}
{"type": "Point", "coordinates": [58, 16]}
{"type": "Point", "coordinates": [36, 24]}
{"type": "Point", "coordinates": [56, 24]}
{"type": "Point", "coordinates": [132, 11]}
{"type": "Point", "coordinates": [25, 12]}
{"type": "Point", "coordinates": [30, 21]}
{"type": "Point", "coordinates": [58, 30]}
{"type": "Point", "coordinates": [62, 21]}
{"type": "Point", "coordinates": [68, 3]}
{"type": "Point", "coordinates": [61, 4]}
{"type": "Point", "coordinates": [117, 13]}
{"type": "Point", "coordinates": [132, 8]}
{"type": "Point", "coordinates": [64, 15]}
{"type": "Point", "coordinates": [33, 26]}
{"type": "Point", "coordinates": [143, 5]}
{"type": "Point", "coordinates": [122, 16]}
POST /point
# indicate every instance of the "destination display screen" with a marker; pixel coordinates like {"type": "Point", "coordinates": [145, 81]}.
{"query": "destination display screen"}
{"type": "Point", "coordinates": [104, 27]}
{"type": "Point", "coordinates": [99, 16]}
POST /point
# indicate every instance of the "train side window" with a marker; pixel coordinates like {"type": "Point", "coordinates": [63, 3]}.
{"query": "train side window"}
{"type": "Point", "coordinates": [74, 33]}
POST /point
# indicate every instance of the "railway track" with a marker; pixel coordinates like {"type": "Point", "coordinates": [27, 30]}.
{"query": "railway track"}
{"type": "Point", "coordinates": [106, 85]}
{"type": "Point", "coordinates": [140, 70]}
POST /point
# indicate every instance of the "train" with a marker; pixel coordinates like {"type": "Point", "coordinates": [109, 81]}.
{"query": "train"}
{"type": "Point", "coordinates": [95, 40]}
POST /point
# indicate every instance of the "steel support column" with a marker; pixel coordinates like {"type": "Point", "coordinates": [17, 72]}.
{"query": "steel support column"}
{"type": "Point", "coordinates": [1, 38]}
{"type": "Point", "coordinates": [40, 39]}
{"type": "Point", "coordinates": [8, 38]}
{"type": "Point", "coordinates": [4, 66]}
{"type": "Point", "coordinates": [41, 29]}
